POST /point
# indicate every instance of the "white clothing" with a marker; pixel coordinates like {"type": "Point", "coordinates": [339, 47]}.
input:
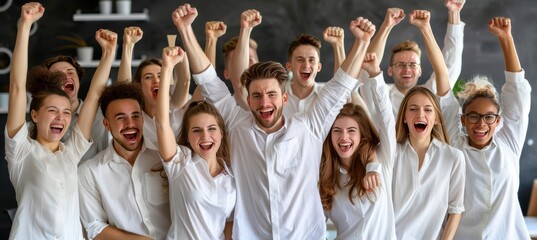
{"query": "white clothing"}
{"type": "Point", "coordinates": [202, 204]}
{"type": "Point", "coordinates": [150, 129]}
{"type": "Point", "coordinates": [133, 198]}
{"type": "Point", "coordinates": [276, 176]}
{"type": "Point", "coordinates": [295, 105]}
{"type": "Point", "coordinates": [492, 173]}
{"type": "Point", "coordinates": [452, 52]}
{"type": "Point", "coordinates": [365, 219]}
{"type": "Point", "coordinates": [45, 185]}
{"type": "Point", "coordinates": [99, 134]}
{"type": "Point", "coordinates": [422, 198]}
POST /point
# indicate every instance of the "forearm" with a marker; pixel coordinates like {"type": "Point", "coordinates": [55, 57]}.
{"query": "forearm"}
{"type": "Point", "coordinates": [451, 226]}
{"type": "Point", "coordinates": [228, 230]}
{"type": "Point", "coordinates": [182, 85]}
{"type": "Point", "coordinates": [210, 50]}
{"type": "Point", "coordinates": [165, 136]}
{"type": "Point", "coordinates": [339, 55]}
{"type": "Point", "coordinates": [378, 44]}
{"type": "Point", "coordinates": [113, 233]}
{"type": "Point", "coordinates": [196, 57]}
{"type": "Point", "coordinates": [454, 17]}
{"type": "Point", "coordinates": [436, 59]}
{"type": "Point", "coordinates": [124, 73]}
{"type": "Point", "coordinates": [512, 63]}
{"type": "Point", "coordinates": [353, 62]}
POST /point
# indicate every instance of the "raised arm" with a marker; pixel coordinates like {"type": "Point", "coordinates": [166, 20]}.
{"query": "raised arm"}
{"type": "Point", "coordinates": [501, 28]}
{"type": "Point", "coordinates": [30, 13]}
{"type": "Point", "coordinates": [362, 30]}
{"type": "Point", "coordinates": [182, 84]}
{"type": "Point", "coordinates": [131, 35]}
{"type": "Point", "coordinates": [393, 17]}
{"type": "Point", "coordinates": [336, 37]}
{"type": "Point", "coordinates": [108, 41]}
{"type": "Point", "coordinates": [213, 31]}
{"type": "Point", "coordinates": [165, 136]}
{"type": "Point", "coordinates": [421, 19]}
{"type": "Point", "coordinates": [241, 54]}
{"type": "Point", "coordinates": [183, 17]}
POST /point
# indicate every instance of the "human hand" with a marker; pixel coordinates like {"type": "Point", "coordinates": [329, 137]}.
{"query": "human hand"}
{"type": "Point", "coordinates": [106, 39]}
{"type": "Point", "coordinates": [215, 29]}
{"type": "Point", "coordinates": [250, 18]}
{"type": "Point", "coordinates": [334, 35]}
{"type": "Point", "coordinates": [172, 56]}
{"type": "Point", "coordinates": [500, 26]}
{"type": "Point", "coordinates": [420, 18]}
{"type": "Point", "coordinates": [394, 16]}
{"type": "Point", "coordinates": [132, 35]}
{"type": "Point", "coordinates": [371, 181]}
{"type": "Point", "coordinates": [371, 64]}
{"type": "Point", "coordinates": [31, 12]}
{"type": "Point", "coordinates": [184, 16]}
{"type": "Point", "coordinates": [362, 29]}
{"type": "Point", "coordinates": [454, 5]}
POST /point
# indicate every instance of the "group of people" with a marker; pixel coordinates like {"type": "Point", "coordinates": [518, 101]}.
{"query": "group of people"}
{"type": "Point", "coordinates": [280, 156]}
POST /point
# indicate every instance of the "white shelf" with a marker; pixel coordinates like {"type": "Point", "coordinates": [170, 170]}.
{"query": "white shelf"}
{"type": "Point", "coordinates": [80, 17]}
{"type": "Point", "coordinates": [95, 63]}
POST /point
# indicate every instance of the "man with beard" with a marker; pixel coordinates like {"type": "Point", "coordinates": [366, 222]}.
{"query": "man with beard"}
{"type": "Point", "coordinates": [123, 189]}
{"type": "Point", "coordinates": [276, 177]}
{"type": "Point", "coordinates": [73, 73]}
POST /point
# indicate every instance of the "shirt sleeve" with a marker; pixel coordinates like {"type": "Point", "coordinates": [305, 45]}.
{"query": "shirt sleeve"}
{"type": "Point", "coordinates": [516, 103]}
{"type": "Point", "coordinates": [326, 107]}
{"type": "Point", "coordinates": [16, 150]}
{"type": "Point", "coordinates": [217, 92]}
{"type": "Point", "coordinates": [176, 165]}
{"type": "Point", "coordinates": [92, 214]}
{"type": "Point", "coordinates": [457, 182]}
{"type": "Point", "coordinates": [450, 114]}
{"type": "Point", "coordinates": [452, 53]}
{"type": "Point", "coordinates": [78, 144]}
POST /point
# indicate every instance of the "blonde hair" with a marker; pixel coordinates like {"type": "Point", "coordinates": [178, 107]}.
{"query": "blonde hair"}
{"type": "Point", "coordinates": [405, 46]}
{"type": "Point", "coordinates": [479, 87]}
{"type": "Point", "coordinates": [401, 129]}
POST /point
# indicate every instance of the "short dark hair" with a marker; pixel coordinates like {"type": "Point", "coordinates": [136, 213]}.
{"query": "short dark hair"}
{"type": "Point", "coordinates": [62, 58]}
{"type": "Point", "coordinates": [264, 70]}
{"type": "Point", "coordinates": [121, 90]}
{"type": "Point", "coordinates": [304, 39]}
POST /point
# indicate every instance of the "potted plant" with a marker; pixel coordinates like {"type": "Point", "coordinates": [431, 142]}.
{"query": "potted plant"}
{"type": "Point", "coordinates": [84, 52]}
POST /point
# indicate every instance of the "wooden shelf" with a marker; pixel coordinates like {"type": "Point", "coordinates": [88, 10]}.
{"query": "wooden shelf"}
{"type": "Point", "coordinates": [87, 17]}
{"type": "Point", "coordinates": [95, 63]}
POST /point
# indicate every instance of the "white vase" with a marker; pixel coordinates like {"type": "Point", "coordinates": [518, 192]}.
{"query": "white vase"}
{"type": "Point", "coordinates": [105, 6]}
{"type": "Point", "coordinates": [123, 7]}
{"type": "Point", "coordinates": [84, 54]}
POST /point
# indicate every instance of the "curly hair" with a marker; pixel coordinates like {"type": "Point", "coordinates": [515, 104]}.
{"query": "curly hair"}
{"type": "Point", "coordinates": [120, 90]}
{"type": "Point", "coordinates": [331, 163]}
{"type": "Point", "coordinates": [479, 87]}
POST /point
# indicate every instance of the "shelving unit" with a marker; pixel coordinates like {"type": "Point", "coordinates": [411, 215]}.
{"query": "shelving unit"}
{"type": "Point", "coordinates": [88, 17]}
{"type": "Point", "coordinates": [95, 63]}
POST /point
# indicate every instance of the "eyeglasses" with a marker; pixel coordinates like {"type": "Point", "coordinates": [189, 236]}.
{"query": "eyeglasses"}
{"type": "Point", "coordinates": [403, 65]}
{"type": "Point", "coordinates": [475, 117]}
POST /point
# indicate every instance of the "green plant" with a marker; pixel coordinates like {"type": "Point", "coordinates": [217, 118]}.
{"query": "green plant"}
{"type": "Point", "coordinates": [75, 41]}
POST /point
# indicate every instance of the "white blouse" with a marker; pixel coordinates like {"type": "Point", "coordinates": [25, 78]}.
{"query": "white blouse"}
{"type": "Point", "coordinates": [492, 173]}
{"type": "Point", "coordinates": [200, 203]}
{"type": "Point", "coordinates": [46, 186]}
{"type": "Point", "coordinates": [422, 198]}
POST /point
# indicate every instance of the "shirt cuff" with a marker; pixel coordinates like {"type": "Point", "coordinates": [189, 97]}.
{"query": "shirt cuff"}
{"type": "Point", "coordinates": [95, 228]}
{"type": "Point", "coordinates": [373, 167]}
{"type": "Point", "coordinates": [515, 77]}
{"type": "Point", "coordinates": [345, 79]}
{"type": "Point", "coordinates": [455, 28]}
{"type": "Point", "coordinates": [206, 76]}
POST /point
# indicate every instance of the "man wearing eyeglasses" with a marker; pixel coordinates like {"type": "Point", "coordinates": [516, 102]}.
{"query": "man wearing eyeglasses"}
{"type": "Point", "coordinates": [405, 64]}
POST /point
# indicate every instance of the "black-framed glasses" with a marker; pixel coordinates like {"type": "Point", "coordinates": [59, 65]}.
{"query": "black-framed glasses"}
{"type": "Point", "coordinates": [476, 117]}
{"type": "Point", "coordinates": [403, 65]}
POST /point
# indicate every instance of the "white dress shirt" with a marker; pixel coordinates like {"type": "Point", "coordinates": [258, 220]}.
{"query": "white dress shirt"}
{"type": "Point", "coordinates": [202, 204]}
{"type": "Point", "coordinates": [452, 53]}
{"type": "Point", "coordinates": [276, 174]}
{"type": "Point", "coordinates": [133, 198]}
{"type": "Point", "coordinates": [492, 173]}
{"type": "Point", "coordinates": [99, 135]}
{"type": "Point", "coordinates": [366, 219]}
{"type": "Point", "coordinates": [46, 186]}
{"type": "Point", "coordinates": [296, 105]}
{"type": "Point", "coordinates": [150, 129]}
{"type": "Point", "coordinates": [422, 198]}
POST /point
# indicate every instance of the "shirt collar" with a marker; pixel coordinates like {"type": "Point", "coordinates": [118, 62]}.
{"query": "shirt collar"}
{"type": "Point", "coordinates": [492, 144]}
{"type": "Point", "coordinates": [111, 154]}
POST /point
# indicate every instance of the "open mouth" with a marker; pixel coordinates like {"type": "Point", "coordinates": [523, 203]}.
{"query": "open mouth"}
{"type": "Point", "coordinates": [69, 87]}
{"type": "Point", "coordinates": [266, 114]}
{"type": "Point", "coordinates": [480, 134]}
{"type": "Point", "coordinates": [206, 146]}
{"type": "Point", "coordinates": [56, 129]}
{"type": "Point", "coordinates": [420, 126]}
{"type": "Point", "coordinates": [130, 135]}
{"type": "Point", "coordinates": [305, 75]}
{"type": "Point", "coordinates": [154, 92]}
{"type": "Point", "coordinates": [344, 147]}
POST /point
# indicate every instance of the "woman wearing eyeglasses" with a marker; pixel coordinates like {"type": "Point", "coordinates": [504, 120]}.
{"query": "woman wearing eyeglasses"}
{"type": "Point", "coordinates": [492, 158]}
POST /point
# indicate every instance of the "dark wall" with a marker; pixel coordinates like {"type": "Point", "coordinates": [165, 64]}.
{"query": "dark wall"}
{"type": "Point", "coordinates": [282, 21]}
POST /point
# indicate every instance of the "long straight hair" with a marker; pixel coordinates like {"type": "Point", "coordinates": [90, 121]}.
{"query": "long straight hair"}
{"type": "Point", "coordinates": [331, 162]}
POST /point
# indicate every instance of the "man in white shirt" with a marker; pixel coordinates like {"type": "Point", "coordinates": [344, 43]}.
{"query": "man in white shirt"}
{"type": "Point", "coordinates": [276, 176]}
{"type": "Point", "coordinates": [123, 189]}
{"type": "Point", "coordinates": [405, 63]}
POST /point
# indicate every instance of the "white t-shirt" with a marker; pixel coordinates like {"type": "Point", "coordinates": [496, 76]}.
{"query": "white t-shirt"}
{"type": "Point", "coordinates": [46, 186]}
{"type": "Point", "coordinates": [202, 204]}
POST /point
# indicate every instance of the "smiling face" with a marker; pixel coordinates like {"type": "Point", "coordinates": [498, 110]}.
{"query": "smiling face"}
{"type": "Point", "coordinates": [406, 77]}
{"type": "Point", "coordinates": [52, 119]}
{"type": "Point", "coordinates": [266, 102]}
{"type": "Point", "coordinates": [480, 133]}
{"type": "Point", "coordinates": [304, 64]}
{"type": "Point", "coordinates": [345, 137]}
{"type": "Point", "coordinates": [124, 120]}
{"type": "Point", "coordinates": [72, 82]}
{"type": "Point", "coordinates": [204, 135]}
{"type": "Point", "coordinates": [420, 116]}
{"type": "Point", "coordinates": [150, 81]}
